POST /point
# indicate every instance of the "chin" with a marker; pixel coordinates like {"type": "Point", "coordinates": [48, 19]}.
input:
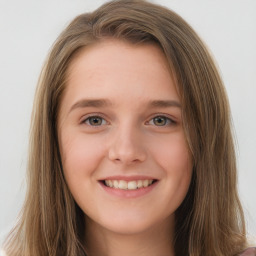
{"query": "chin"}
{"type": "Point", "coordinates": [132, 223]}
{"type": "Point", "coordinates": [128, 228]}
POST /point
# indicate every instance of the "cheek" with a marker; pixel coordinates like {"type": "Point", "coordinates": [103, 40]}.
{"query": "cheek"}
{"type": "Point", "coordinates": [177, 163]}
{"type": "Point", "coordinates": [172, 153]}
{"type": "Point", "coordinates": [80, 155]}
{"type": "Point", "coordinates": [174, 158]}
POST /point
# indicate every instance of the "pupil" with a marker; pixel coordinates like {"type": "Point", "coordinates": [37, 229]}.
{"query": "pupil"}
{"type": "Point", "coordinates": [95, 121]}
{"type": "Point", "coordinates": [159, 121]}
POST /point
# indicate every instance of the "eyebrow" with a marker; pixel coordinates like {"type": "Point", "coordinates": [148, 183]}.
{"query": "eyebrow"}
{"type": "Point", "coordinates": [101, 103]}
{"type": "Point", "coordinates": [97, 103]}
{"type": "Point", "coordinates": [164, 103]}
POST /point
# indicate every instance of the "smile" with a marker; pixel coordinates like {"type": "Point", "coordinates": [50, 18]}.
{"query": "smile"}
{"type": "Point", "coordinates": [128, 185]}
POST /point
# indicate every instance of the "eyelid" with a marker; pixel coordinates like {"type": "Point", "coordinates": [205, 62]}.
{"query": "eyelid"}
{"type": "Point", "coordinates": [87, 116]}
{"type": "Point", "coordinates": [168, 117]}
{"type": "Point", "coordinates": [172, 120]}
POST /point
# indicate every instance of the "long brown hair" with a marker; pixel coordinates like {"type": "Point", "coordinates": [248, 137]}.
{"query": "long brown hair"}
{"type": "Point", "coordinates": [210, 220]}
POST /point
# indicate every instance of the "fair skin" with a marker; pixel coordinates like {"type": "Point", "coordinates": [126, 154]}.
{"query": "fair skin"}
{"type": "Point", "coordinates": [124, 153]}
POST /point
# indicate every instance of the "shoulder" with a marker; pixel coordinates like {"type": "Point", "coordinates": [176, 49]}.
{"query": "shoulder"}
{"type": "Point", "coordinates": [249, 252]}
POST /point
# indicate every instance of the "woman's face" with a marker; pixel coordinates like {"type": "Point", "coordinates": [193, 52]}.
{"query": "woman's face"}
{"type": "Point", "coordinates": [123, 149]}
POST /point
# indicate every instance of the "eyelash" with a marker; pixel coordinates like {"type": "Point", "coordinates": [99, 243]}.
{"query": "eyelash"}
{"type": "Point", "coordinates": [95, 116]}
{"type": "Point", "coordinates": [168, 121]}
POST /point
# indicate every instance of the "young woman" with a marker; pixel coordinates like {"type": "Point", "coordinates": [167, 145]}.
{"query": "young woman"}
{"type": "Point", "coordinates": [131, 151]}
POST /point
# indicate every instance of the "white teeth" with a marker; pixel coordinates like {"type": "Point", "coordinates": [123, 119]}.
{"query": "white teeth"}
{"type": "Point", "coordinates": [122, 184]}
{"type": "Point", "coordinates": [115, 184]}
{"type": "Point", "coordinates": [130, 185]}
{"type": "Point", "coordinates": [145, 183]}
{"type": "Point", "coordinates": [140, 184]}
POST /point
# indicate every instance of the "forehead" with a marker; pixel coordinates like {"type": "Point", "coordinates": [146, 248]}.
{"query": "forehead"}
{"type": "Point", "coordinates": [117, 69]}
{"type": "Point", "coordinates": [118, 53]}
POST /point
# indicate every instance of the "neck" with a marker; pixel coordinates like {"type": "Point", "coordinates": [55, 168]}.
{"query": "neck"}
{"type": "Point", "coordinates": [156, 241]}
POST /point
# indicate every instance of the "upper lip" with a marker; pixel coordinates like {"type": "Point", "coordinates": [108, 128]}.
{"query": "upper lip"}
{"type": "Point", "coordinates": [129, 178]}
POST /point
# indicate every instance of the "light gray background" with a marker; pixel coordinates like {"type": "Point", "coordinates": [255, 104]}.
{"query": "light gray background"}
{"type": "Point", "coordinates": [29, 27]}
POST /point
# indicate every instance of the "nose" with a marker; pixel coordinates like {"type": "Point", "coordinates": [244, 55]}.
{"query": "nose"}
{"type": "Point", "coordinates": [127, 147]}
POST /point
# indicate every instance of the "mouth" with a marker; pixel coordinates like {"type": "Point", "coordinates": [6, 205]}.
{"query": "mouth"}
{"type": "Point", "coordinates": [128, 185]}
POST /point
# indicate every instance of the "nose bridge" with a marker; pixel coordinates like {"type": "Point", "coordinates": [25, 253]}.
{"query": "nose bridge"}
{"type": "Point", "coordinates": [127, 144]}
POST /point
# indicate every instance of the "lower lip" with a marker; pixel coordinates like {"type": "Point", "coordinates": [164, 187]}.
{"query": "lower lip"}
{"type": "Point", "coordinates": [133, 193]}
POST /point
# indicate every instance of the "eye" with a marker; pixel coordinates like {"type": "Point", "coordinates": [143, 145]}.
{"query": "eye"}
{"type": "Point", "coordinates": [95, 121]}
{"type": "Point", "coordinates": [161, 121]}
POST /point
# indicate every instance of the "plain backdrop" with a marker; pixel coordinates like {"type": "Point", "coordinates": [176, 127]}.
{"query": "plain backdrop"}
{"type": "Point", "coordinates": [28, 28]}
